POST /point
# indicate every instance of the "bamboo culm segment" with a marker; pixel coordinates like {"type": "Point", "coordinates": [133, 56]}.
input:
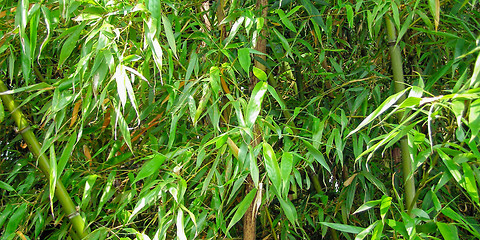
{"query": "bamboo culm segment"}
{"type": "Point", "coordinates": [397, 68]}
{"type": "Point", "coordinates": [34, 146]}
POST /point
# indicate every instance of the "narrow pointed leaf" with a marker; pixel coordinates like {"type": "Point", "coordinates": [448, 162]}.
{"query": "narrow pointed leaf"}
{"type": "Point", "coordinates": [255, 103]}
{"type": "Point", "coordinates": [242, 208]}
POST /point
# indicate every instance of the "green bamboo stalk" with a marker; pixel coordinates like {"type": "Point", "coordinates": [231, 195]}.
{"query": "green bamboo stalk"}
{"type": "Point", "coordinates": [34, 146]}
{"type": "Point", "coordinates": [396, 57]}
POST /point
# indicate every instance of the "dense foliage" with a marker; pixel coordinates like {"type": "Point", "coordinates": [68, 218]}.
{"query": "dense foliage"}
{"type": "Point", "coordinates": [164, 119]}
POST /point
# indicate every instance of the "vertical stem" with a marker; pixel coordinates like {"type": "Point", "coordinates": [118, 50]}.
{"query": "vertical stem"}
{"type": "Point", "coordinates": [250, 218]}
{"type": "Point", "coordinates": [34, 146]}
{"type": "Point", "coordinates": [396, 57]}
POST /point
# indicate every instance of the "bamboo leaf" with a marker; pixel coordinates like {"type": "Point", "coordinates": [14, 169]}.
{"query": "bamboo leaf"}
{"type": "Point", "coordinates": [67, 151]}
{"type": "Point", "coordinates": [286, 166]}
{"type": "Point", "coordinates": [169, 33]}
{"type": "Point", "coordinates": [317, 155]}
{"type": "Point", "coordinates": [255, 103]}
{"type": "Point", "coordinates": [70, 44]}
{"type": "Point", "coordinates": [469, 182]}
{"type": "Point", "coordinates": [448, 231]}
{"type": "Point", "coordinates": [289, 210]}
{"type": "Point", "coordinates": [367, 205]}
{"type": "Point", "coordinates": [381, 109]}
{"type": "Point", "coordinates": [122, 124]}
{"type": "Point", "coordinates": [87, 190]}
{"type": "Point", "coordinates": [260, 74]}
{"type": "Point", "coordinates": [234, 30]}
{"type": "Point", "coordinates": [15, 220]}
{"type": "Point", "coordinates": [244, 59]}
{"type": "Point", "coordinates": [366, 231]}
{"type": "Point", "coordinates": [274, 93]}
{"type": "Point", "coordinates": [343, 227]}
{"type": "Point", "coordinates": [349, 10]}
{"type": "Point", "coordinates": [271, 165]}
{"type": "Point", "coordinates": [385, 205]}
{"type": "Point", "coordinates": [6, 186]}
{"type": "Point", "coordinates": [474, 118]}
{"type": "Point", "coordinates": [145, 201]}
{"type": "Point", "coordinates": [150, 167]}
{"type": "Point", "coordinates": [285, 20]}
{"type": "Point", "coordinates": [242, 208]}
{"type": "Point", "coordinates": [180, 225]}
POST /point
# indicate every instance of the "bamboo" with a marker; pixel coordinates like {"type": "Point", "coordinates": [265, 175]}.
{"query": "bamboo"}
{"type": "Point", "coordinates": [396, 58]}
{"type": "Point", "coordinates": [34, 146]}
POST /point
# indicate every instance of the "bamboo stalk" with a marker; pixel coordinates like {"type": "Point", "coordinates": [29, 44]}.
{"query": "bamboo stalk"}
{"type": "Point", "coordinates": [34, 146]}
{"type": "Point", "coordinates": [396, 57]}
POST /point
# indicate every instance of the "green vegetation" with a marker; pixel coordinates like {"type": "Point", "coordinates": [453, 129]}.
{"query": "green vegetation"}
{"type": "Point", "coordinates": [302, 119]}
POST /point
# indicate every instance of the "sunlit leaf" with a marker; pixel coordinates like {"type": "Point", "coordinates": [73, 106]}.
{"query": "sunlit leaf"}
{"type": "Point", "coordinates": [169, 33]}
{"type": "Point", "coordinates": [343, 227]}
{"type": "Point", "coordinates": [271, 165]}
{"type": "Point", "coordinates": [448, 231]}
{"type": "Point", "coordinates": [259, 73]}
{"type": "Point", "coordinates": [180, 226]}
{"type": "Point", "coordinates": [367, 205]}
{"type": "Point", "coordinates": [255, 103]}
{"type": "Point", "coordinates": [381, 109]}
{"type": "Point", "coordinates": [244, 59]}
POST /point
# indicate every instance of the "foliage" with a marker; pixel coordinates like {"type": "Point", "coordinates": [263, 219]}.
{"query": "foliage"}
{"type": "Point", "coordinates": [146, 112]}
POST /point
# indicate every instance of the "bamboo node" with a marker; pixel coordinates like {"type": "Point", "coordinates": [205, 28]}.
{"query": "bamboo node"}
{"type": "Point", "coordinates": [23, 130]}
{"type": "Point", "coordinates": [72, 215]}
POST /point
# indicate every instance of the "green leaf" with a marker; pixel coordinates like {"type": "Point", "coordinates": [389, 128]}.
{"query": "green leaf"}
{"type": "Point", "coordinates": [474, 118]}
{"type": "Point", "coordinates": [242, 208]}
{"type": "Point", "coordinates": [169, 33]}
{"type": "Point", "coordinates": [286, 166]}
{"type": "Point", "coordinates": [349, 9]}
{"type": "Point", "coordinates": [70, 44]}
{"type": "Point", "coordinates": [2, 111]}
{"type": "Point", "coordinates": [343, 227]}
{"type": "Point", "coordinates": [16, 220]}
{"type": "Point", "coordinates": [67, 152]}
{"type": "Point", "coordinates": [271, 165]}
{"type": "Point", "coordinates": [377, 232]}
{"type": "Point", "coordinates": [366, 231]}
{"type": "Point", "coordinates": [448, 231]}
{"type": "Point", "coordinates": [122, 124]}
{"type": "Point", "coordinates": [385, 206]}
{"type": "Point", "coordinates": [234, 30]}
{"type": "Point", "coordinates": [87, 190]}
{"type": "Point", "coordinates": [289, 210]}
{"type": "Point", "coordinates": [180, 226]}
{"type": "Point", "coordinates": [244, 59]}
{"type": "Point", "coordinates": [150, 167]}
{"type": "Point", "coordinates": [469, 182]}
{"type": "Point", "coordinates": [367, 205]}
{"type": "Point", "coordinates": [6, 186]}
{"type": "Point", "coordinates": [284, 42]}
{"type": "Point", "coordinates": [255, 103]}
{"type": "Point", "coordinates": [145, 201]}
{"type": "Point", "coordinates": [285, 20]}
{"type": "Point", "coordinates": [317, 155]}
{"type": "Point", "coordinates": [381, 109]}
{"type": "Point", "coordinates": [274, 93]}
{"type": "Point", "coordinates": [260, 74]}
